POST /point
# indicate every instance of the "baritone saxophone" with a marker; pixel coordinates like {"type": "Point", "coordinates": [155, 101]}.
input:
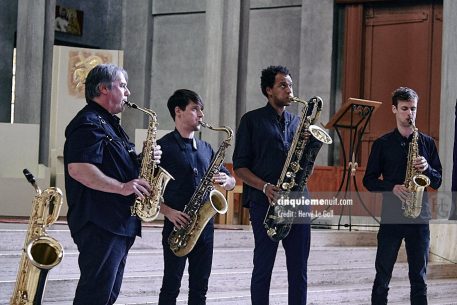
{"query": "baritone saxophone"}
{"type": "Point", "coordinates": [305, 146]}
{"type": "Point", "coordinates": [41, 252]}
{"type": "Point", "coordinates": [147, 209]}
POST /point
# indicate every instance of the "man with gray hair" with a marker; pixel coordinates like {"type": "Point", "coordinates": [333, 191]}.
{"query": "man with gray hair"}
{"type": "Point", "coordinates": [101, 180]}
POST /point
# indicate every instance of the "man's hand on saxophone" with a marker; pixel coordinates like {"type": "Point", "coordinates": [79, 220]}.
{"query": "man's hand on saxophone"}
{"type": "Point", "coordinates": [420, 164]}
{"type": "Point", "coordinates": [157, 154]}
{"type": "Point", "coordinates": [271, 191]}
{"type": "Point", "coordinates": [178, 218]}
{"type": "Point", "coordinates": [224, 180]}
{"type": "Point", "coordinates": [401, 192]}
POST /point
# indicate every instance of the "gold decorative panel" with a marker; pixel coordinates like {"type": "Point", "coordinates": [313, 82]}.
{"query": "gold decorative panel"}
{"type": "Point", "coordinates": [79, 65]}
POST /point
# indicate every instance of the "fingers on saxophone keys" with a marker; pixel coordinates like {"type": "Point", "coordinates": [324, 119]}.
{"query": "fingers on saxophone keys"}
{"type": "Point", "coordinates": [182, 220]}
{"type": "Point", "coordinates": [157, 153]}
{"type": "Point", "coordinates": [141, 188]}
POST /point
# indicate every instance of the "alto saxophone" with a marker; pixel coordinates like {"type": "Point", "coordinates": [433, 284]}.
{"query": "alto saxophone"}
{"type": "Point", "coordinates": [183, 240]}
{"type": "Point", "coordinates": [147, 209]}
{"type": "Point", "coordinates": [415, 182]}
{"type": "Point", "coordinates": [41, 252]}
{"type": "Point", "coordinates": [307, 141]}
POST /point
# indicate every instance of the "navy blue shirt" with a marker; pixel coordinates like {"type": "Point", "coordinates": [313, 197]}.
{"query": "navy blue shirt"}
{"type": "Point", "coordinates": [388, 158]}
{"type": "Point", "coordinates": [94, 136]}
{"type": "Point", "coordinates": [187, 160]}
{"type": "Point", "coordinates": [262, 142]}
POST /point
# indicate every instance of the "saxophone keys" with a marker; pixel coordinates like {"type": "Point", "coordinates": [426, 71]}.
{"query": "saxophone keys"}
{"type": "Point", "coordinates": [295, 166]}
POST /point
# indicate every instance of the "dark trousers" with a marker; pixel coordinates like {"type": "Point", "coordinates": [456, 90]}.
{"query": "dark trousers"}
{"type": "Point", "coordinates": [200, 261]}
{"type": "Point", "coordinates": [296, 246]}
{"type": "Point", "coordinates": [102, 257]}
{"type": "Point", "coordinates": [417, 242]}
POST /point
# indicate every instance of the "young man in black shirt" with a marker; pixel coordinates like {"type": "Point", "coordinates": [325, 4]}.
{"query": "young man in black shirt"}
{"type": "Point", "coordinates": [187, 159]}
{"type": "Point", "coordinates": [263, 140]}
{"type": "Point", "coordinates": [388, 159]}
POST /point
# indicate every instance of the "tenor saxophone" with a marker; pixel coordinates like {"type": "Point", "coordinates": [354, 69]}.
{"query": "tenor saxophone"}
{"type": "Point", "coordinates": [307, 141]}
{"type": "Point", "coordinates": [147, 209]}
{"type": "Point", "coordinates": [415, 182]}
{"type": "Point", "coordinates": [41, 252]}
{"type": "Point", "coordinates": [183, 240]}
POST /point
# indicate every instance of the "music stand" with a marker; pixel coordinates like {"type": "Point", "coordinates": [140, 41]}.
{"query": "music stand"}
{"type": "Point", "coordinates": [353, 115]}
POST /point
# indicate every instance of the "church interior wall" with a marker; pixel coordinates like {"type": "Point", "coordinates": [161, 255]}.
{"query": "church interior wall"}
{"type": "Point", "coordinates": [102, 24]}
{"type": "Point", "coordinates": [272, 43]}
{"type": "Point", "coordinates": [178, 59]}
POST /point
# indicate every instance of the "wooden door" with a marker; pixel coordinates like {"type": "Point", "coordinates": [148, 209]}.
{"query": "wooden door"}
{"type": "Point", "coordinates": [398, 45]}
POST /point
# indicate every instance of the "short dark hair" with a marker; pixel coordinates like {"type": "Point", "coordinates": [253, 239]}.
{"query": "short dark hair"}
{"type": "Point", "coordinates": [403, 94]}
{"type": "Point", "coordinates": [181, 98]}
{"type": "Point", "coordinates": [267, 79]}
{"type": "Point", "coordinates": [102, 74]}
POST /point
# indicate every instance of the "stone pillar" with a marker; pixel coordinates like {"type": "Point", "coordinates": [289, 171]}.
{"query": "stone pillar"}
{"type": "Point", "coordinates": [442, 236]}
{"type": "Point", "coordinates": [29, 60]}
{"type": "Point", "coordinates": [35, 38]}
{"type": "Point", "coordinates": [221, 70]}
{"type": "Point", "coordinates": [46, 85]}
{"type": "Point", "coordinates": [448, 91]}
{"type": "Point", "coordinates": [243, 61]}
{"type": "Point", "coordinates": [137, 46]}
{"type": "Point", "coordinates": [316, 46]}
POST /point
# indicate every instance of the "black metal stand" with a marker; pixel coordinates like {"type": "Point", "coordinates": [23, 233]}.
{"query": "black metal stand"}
{"type": "Point", "coordinates": [354, 116]}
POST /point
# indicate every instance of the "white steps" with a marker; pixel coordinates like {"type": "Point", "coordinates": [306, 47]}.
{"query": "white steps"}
{"type": "Point", "coordinates": [340, 270]}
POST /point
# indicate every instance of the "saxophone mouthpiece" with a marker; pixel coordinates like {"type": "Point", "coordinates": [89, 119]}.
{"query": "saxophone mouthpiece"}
{"type": "Point", "coordinates": [28, 175]}
{"type": "Point", "coordinates": [131, 105]}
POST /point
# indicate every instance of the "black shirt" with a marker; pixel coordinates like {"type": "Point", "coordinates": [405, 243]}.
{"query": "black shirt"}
{"type": "Point", "coordinates": [262, 142]}
{"type": "Point", "coordinates": [94, 136]}
{"type": "Point", "coordinates": [388, 158]}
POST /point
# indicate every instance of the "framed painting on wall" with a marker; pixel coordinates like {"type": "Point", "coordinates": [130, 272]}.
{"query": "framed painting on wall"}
{"type": "Point", "coordinates": [69, 20]}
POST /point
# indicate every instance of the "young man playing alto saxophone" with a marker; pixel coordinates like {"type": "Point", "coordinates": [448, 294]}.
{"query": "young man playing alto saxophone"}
{"type": "Point", "coordinates": [388, 158]}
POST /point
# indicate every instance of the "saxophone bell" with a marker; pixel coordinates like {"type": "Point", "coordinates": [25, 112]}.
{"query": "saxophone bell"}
{"type": "Point", "coordinates": [41, 252]}
{"type": "Point", "coordinates": [218, 202]}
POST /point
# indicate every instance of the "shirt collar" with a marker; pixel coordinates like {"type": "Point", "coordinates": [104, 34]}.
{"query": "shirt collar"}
{"type": "Point", "coordinates": [104, 113]}
{"type": "Point", "coordinates": [272, 112]}
{"type": "Point", "coordinates": [181, 142]}
{"type": "Point", "coordinates": [401, 137]}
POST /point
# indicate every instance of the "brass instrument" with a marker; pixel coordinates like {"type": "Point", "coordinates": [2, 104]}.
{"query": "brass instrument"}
{"type": "Point", "coordinates": [41, 252]}
{"type": "Point", "coordinates": [147, 209]}
{"type": "Point", "coordinates": [307, 141]}
{"type": "Point", "coordinates": [183, 240]}
{"type": "Point", "coordinates": [415, 182]}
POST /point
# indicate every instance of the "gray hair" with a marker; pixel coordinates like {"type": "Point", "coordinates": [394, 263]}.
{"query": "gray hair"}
{"type": "Point", "coordinates": [102, 74]}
